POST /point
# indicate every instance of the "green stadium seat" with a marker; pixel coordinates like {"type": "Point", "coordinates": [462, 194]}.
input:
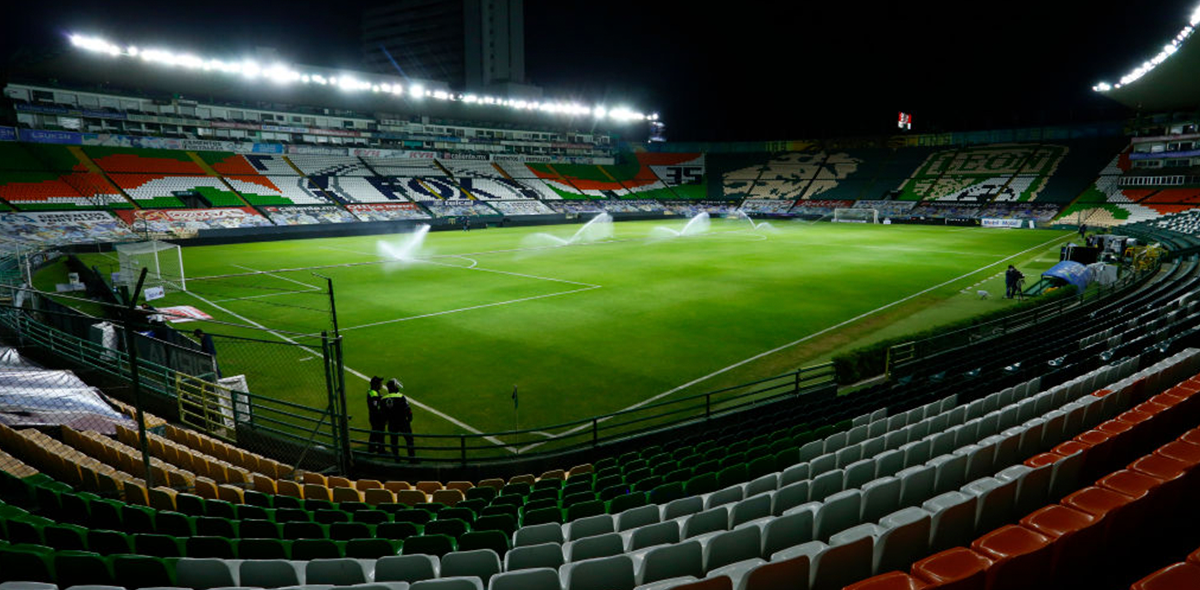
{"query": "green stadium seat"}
{"type": "Point", "coordinates": [760, 466]}
{"type": "Point", "coordinates": [371, 517]}
{"type": "Point", "coordinates": [285, 515]}
{"type": "Point", "coordinates": [679, 475]}
{"type": "Point", "coordinates": [543, 494]}
{"type": "Point", "coordinates": [65, 537]}
{"type": "Point", "coordinates": [451, 527]}
{"type": "Point", "coordinates": [24, 563]}
{"type": "Point", "coordinates": [78, 568]}
{"type": "Point", "coordinates": [734, 474]}
{"type": "Point", "coordinates": [190, 505]}
{"type": "Point", "coordinates": [258, 529]}
{"type": "Point", "coordinates": [666, 492]}
{"type": "Point", "coordinates": [732, 459]}
{"type": "Point", "coordinates": [220, 509]}
{"type": "Point", "coordinates": [23, 531]}
{"type": "Point", "coordinates": [463, 514]}
{"type": "Point", "coordinates": [105, 515]}
{"type": "Point", "coordinates": [261, 549]}
{"type": "Point", "coordinates": [495, 540]}
{"type": "Point", "coordinates": [539, 505]}
{"type": "Point", "coordinates": [208, 526]}
{"type": "Point", "coordinates": [352, 507]}
{"type": "Point", "coordinates": [369, 548]}
{"type": "Point", "coordinates": [280, 501]}
{"type": "Point", "coordinates": [214, 547]}
{"type": "Point", "coordinates": [623, 503]}
{"type": "Point", "coordinates": [481, 493]}
{"type": "Point", "coordinates": [519, 489]}
{"type": "Point", "coordinates": [549, 483]}
{"type": "Point", "coordinates": [397, 531]}
{"type": "Point", "coordinates": [414, 516]}
{"type": "Point", "coordinates": [345, 531]}
{"type": "Point", "coordinates": [138, 571]}
{"type": "Point", "coordinates": [330, 516]}
{"type": "Point", "coordinates": [315, 504]}
{"type": "Point", "coordinates": [436, 545]}
{"type": "Point", "coordinates": [542, 516]}
{"type": "Point", "coordinates": [701, 484]}
{"type": "Point", "coordinates": [252, 512]}
{"type": "Point", "coordinates": [433, 508]}
{"type": "Point", "coordinates": [475, 505]}
{"type": "Point", "coordinates": [173, 523]}
{"type": "Point", "coordinates": [309, 549]}
{"type": "Point", "coordinates": [75, 509]}
{"type": "Point", "coordinates": [303, 530]}
{"type": "Point", "coordinates": [648, 484]}
{"type": "Point", "coordinates": [508, 509]}
{"type": "Point", "coordinates": [108, 542]}
{"type": "Point", "coordinates": [157, 545]}
{"type": "Point", "coordinates": [505, 523]}
{"type": "Point", "coordinates": [256, 498]}
{"type": "Point", "coordinates": [585, 509]}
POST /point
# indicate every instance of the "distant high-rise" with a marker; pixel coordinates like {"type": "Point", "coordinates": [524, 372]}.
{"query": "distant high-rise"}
{"type": "Point", "coordinates": [470, 44]}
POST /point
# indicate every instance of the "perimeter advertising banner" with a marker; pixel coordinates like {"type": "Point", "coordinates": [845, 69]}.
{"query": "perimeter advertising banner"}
{"type": "Point", "coordinates": [8, 134]}
{"type": "Point", "coordinates": [1005, 223]}
{"type": "Point", "coordinates": [309, 215]}
{"type": "Point", "coordinates": [387, 211]}
{"type": "Point", "coordinates": [69, 227]}
{"type": "Point", "coordinates": [186, 223]}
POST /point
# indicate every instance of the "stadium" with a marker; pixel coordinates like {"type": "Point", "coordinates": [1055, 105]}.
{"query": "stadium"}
{"type": "Point", "coordinates": [407, 320]}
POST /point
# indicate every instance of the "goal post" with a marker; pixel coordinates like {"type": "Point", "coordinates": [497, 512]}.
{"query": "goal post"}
{"type": "Point", "coordinates": [855, 215]}
{"type": "Point", "coordinates": [163, 262]}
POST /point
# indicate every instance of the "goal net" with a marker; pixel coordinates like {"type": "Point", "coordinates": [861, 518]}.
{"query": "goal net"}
{"type": "Point", "coordinates": [163, 262]}
{"type": "Point", "coordinates": [855, 215]}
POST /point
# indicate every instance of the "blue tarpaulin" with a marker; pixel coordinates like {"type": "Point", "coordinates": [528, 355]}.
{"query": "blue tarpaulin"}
{"type": "Point", "coordinates": [1072, 272]}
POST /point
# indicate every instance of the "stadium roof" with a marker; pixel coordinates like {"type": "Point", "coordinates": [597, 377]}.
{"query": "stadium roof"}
{"type": "Point", "coordinates": [1164, 82]}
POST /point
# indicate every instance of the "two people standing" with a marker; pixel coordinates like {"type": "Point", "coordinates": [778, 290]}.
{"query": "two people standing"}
{"type": "Point", "coordinates": [1012, 282]}
{"type": "Point", "coordinates": [388, 408]}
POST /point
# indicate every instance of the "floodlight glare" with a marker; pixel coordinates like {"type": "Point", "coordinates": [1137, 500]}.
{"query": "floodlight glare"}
{"type": "Point", "coordinates": [1167, 51]}
{"type": "Point", "coordinates": [284, 74]}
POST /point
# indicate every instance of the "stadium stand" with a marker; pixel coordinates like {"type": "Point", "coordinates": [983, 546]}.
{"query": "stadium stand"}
{"type": "Point", "coordinates": [351, 189]}
{"type": "Point", "coordinates": [142, 161]}
{"type": "Point", "coordinates": [156, 191]}
{"type": "Point", "coordinates": [32, 191]}
{"type": "Point", "coordinates": [330, 165]}
{"type": "Point", "coordinates": [458, 207]}
{"type": "Point", "coordinates": [227, 164]}
{"type": "Point", "coordinates": [276, 190]}
{"type": "Point", "coordinates": [270, 165]}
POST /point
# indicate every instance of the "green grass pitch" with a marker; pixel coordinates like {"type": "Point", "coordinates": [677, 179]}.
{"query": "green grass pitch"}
{"type": "Point", "coordinates": [592, 328]}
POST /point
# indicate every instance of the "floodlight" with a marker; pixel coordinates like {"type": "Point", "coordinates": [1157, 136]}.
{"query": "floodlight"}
{"type": "Point", "coordinates": [417, 91]}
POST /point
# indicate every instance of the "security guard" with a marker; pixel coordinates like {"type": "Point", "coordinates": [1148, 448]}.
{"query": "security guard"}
{"type": "Point", "coordinates": [399, 418]}
{"type": "Point", "coordinates": [376, 416]}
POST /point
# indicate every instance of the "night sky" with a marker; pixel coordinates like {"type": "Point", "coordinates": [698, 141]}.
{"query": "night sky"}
{"type": "Point", "coordinates": [729, 72]}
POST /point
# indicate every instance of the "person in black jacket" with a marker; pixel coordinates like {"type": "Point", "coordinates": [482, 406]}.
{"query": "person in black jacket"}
{"type": "Point", "coordinates": [1012, 282]}
{"type": "Point", "coordinates": [376, 415]}
{"type": "Point", "coordinates": [399, 418]}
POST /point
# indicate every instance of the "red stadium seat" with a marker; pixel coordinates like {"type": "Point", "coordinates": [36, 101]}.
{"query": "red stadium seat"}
{"type": "Point", "coordinates": [1021, 558]}
{"type": "Point", "coordinates": [1078, 536]}
{"type": "Point", "coordinates": [888, 581]}
{"type": "Point", "coordinates": [1173, 577]}
{"type": "Point", "coordinates": [953, 569]}
{"type": "Point", "coordinates": [1104, 504]}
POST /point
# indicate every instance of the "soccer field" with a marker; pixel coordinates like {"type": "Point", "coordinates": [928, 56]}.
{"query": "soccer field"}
{"type": "Point", "coordinates": [592, 328]}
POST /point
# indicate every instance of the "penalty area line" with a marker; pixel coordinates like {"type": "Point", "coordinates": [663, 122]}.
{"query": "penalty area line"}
{"type": "Point", "coordinates": [425, 407]}
{"type": "Point", "coordinates": [801, 340]}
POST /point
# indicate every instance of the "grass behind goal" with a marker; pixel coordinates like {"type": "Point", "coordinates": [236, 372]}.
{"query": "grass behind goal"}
{"type": "Point", "coordinates": [594, 328]}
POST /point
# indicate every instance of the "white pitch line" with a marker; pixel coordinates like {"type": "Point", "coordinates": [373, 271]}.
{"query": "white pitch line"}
{"type": "Point", "coordinates": [799, 340]}
{"type": "Point", "coordinates": [471, 308]}
{"type": "Point", "coordinates": [280, 277]}
{"type": "Point", "coordinates": [414, 402]}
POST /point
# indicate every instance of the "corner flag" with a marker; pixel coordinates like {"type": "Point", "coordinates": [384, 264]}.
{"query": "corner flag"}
{"type": "Point", "coordinates": [514, 397]}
